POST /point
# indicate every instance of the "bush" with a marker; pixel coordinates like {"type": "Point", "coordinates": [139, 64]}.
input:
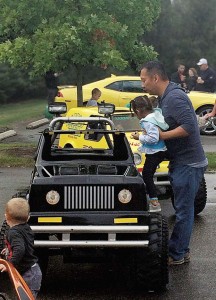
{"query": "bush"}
{"type": "Point", "coordinates": [16, 85]}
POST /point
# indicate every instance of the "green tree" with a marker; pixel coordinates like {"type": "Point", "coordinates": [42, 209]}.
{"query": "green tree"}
{"type": "Point", "coordinates": [55, 34]}
{"type": "Point", "coordinates": [15, 85]}
{"type": "Point", "coordinates": [161, 36]}
{"type": "Point", "coordinates": [196, 30]}
{"type": "Point", "coordinates": [184, 32]}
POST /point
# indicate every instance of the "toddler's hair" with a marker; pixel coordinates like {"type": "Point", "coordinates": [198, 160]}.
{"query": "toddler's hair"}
{"type": "Point", "coordinates": [18, 209]}
{"type": "Point", "coordinates": [95, 91]}
{"type": "Point", "coordinates": [141, 103]}
{"type": "Point", "coordinates": [154, 101]}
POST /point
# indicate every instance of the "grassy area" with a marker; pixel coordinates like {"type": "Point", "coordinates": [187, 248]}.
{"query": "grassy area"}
{"type": "Point", "coordinates": [17, 155]}
{"type": "Point", "coordinates": [22, 155]}
{"type": "Point", "coordinates": [26, 110]}
{"type": "Point", "coordinates": [211, 160]}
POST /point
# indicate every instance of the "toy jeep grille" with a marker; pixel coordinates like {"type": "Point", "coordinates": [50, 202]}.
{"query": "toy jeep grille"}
{"type": "Point", "coordinates": [89, 197]}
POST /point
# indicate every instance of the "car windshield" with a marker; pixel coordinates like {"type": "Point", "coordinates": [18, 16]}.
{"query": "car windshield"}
{"type": "Point", "coordinates": [126, 122]}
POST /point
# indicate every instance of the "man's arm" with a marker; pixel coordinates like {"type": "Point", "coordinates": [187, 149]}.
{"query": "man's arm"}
{"type": "Point", "coordinates": [214, 110]}
{"type": "Point", "coordinates": [178, 132]}
{"type": "Point", "coordinates": [179, 114]}
{"type": "Point", "coordinates": [213, 113]}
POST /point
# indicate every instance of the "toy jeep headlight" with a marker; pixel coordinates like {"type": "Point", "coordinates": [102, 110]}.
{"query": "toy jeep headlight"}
{"type": "Point", "coordinates": [106, 108]}
{"type": "Point", "coordinates": [52, 197]}
{"type": "Point", "coordinates": [137, 158]}
{"type": "Point", "coordinates": [124, 196]}
{"type": "Point", "coordinates": [57, 108]}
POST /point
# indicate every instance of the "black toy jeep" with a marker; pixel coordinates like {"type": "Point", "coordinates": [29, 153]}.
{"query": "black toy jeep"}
{"type": "Point", "coordinates": [89, 203]}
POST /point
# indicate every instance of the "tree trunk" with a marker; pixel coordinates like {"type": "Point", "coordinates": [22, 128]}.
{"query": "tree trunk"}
{"type": "Point", "coordinates": [79, 86]}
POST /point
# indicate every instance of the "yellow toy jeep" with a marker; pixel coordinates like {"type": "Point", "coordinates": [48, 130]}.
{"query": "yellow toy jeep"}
{"type": "Point", "coordinates": [124, 120]}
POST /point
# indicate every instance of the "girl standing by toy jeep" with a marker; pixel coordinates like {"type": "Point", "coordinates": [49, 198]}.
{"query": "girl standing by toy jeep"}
{"type": "Point", "coordinates": [154, 149]}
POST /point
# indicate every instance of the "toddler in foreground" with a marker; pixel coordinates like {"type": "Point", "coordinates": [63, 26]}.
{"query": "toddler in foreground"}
{"type": "Point", "coordinates": [19, 242]}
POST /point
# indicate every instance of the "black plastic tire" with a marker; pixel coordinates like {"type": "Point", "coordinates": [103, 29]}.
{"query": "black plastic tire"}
{"type": "Point", "coordinates": [201, 112]}
{"type": "Point", "coordinates": [200, 200]}
{"type": "Point", "coordinates": [4, 296]}
{"type": "Point", "coordinates": [68, 146]}
{"type": "Point", "coordinates": [4, 229]}
{"type": "Point", "coordinates": [22, 194]}
{"type": "Point", "coordinates": [149, 267]}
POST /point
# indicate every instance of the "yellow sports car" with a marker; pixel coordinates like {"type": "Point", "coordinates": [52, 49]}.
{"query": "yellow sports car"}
{"type": "Point", "coordinates": [120, 90]}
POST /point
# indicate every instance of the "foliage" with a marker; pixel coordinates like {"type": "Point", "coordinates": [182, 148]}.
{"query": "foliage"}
{"type": "Point", "coordinates": [56, 34]}
{"type": "Point", "coordinates": [15, 84]}
{"type": "Point", "coordinates": [184, 33]}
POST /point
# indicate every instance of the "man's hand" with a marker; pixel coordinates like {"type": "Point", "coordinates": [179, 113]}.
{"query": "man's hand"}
{"type": "Point", "coordinates": [199, 80]}
{"type": "Point", "coordinates": [209, 115]}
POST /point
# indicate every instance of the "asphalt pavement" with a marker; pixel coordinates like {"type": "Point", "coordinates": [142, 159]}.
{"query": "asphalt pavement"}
{"type": "Point", "coordinates": [193, 281]}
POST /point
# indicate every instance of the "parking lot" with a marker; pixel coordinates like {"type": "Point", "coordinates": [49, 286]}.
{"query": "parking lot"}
{"type": "Point", "coordinates": [195, 280]}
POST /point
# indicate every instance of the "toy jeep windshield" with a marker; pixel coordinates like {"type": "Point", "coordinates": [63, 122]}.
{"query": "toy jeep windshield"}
{"type": "Point", "coordinates": [89, 204]}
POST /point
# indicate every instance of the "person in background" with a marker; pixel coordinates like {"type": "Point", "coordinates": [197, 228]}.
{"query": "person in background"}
{"type": "Point", "coordinates": [20, 244]}
{"type": "Point", "coordinates": [179, 77]}
{"type": "Point", "coordinates": [51, 80]}
{"type": "Point", "coordinates": [187, 158]}
{"type": "Point", "coordinates": [96, 93]}
{"type": "Point", "coordinates": [206, 81]}
{"type": "Point", "coordinates": [154, 149]}
{"type": "Point", "coordinates": [192, 79]}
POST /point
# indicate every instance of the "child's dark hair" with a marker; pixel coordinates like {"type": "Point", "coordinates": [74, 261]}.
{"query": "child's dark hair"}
{"type": "Point", "coordinates": [141, 103]}
{"type": "Point", "coordinates": [154, 101]}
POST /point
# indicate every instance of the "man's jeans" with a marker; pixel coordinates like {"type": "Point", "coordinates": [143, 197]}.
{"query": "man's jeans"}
{"type": "Point", "coordinates": [185, 182]}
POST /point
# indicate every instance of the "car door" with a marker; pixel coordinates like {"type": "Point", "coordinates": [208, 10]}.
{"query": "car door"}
{"type": "Point", "coordinates": [130, 90]}
{"type": "Point", "coordinates": [111, 92]}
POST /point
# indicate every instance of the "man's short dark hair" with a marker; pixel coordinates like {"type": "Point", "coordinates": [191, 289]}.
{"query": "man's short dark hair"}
{"type": "Point", "coordinates": [156, 67]}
